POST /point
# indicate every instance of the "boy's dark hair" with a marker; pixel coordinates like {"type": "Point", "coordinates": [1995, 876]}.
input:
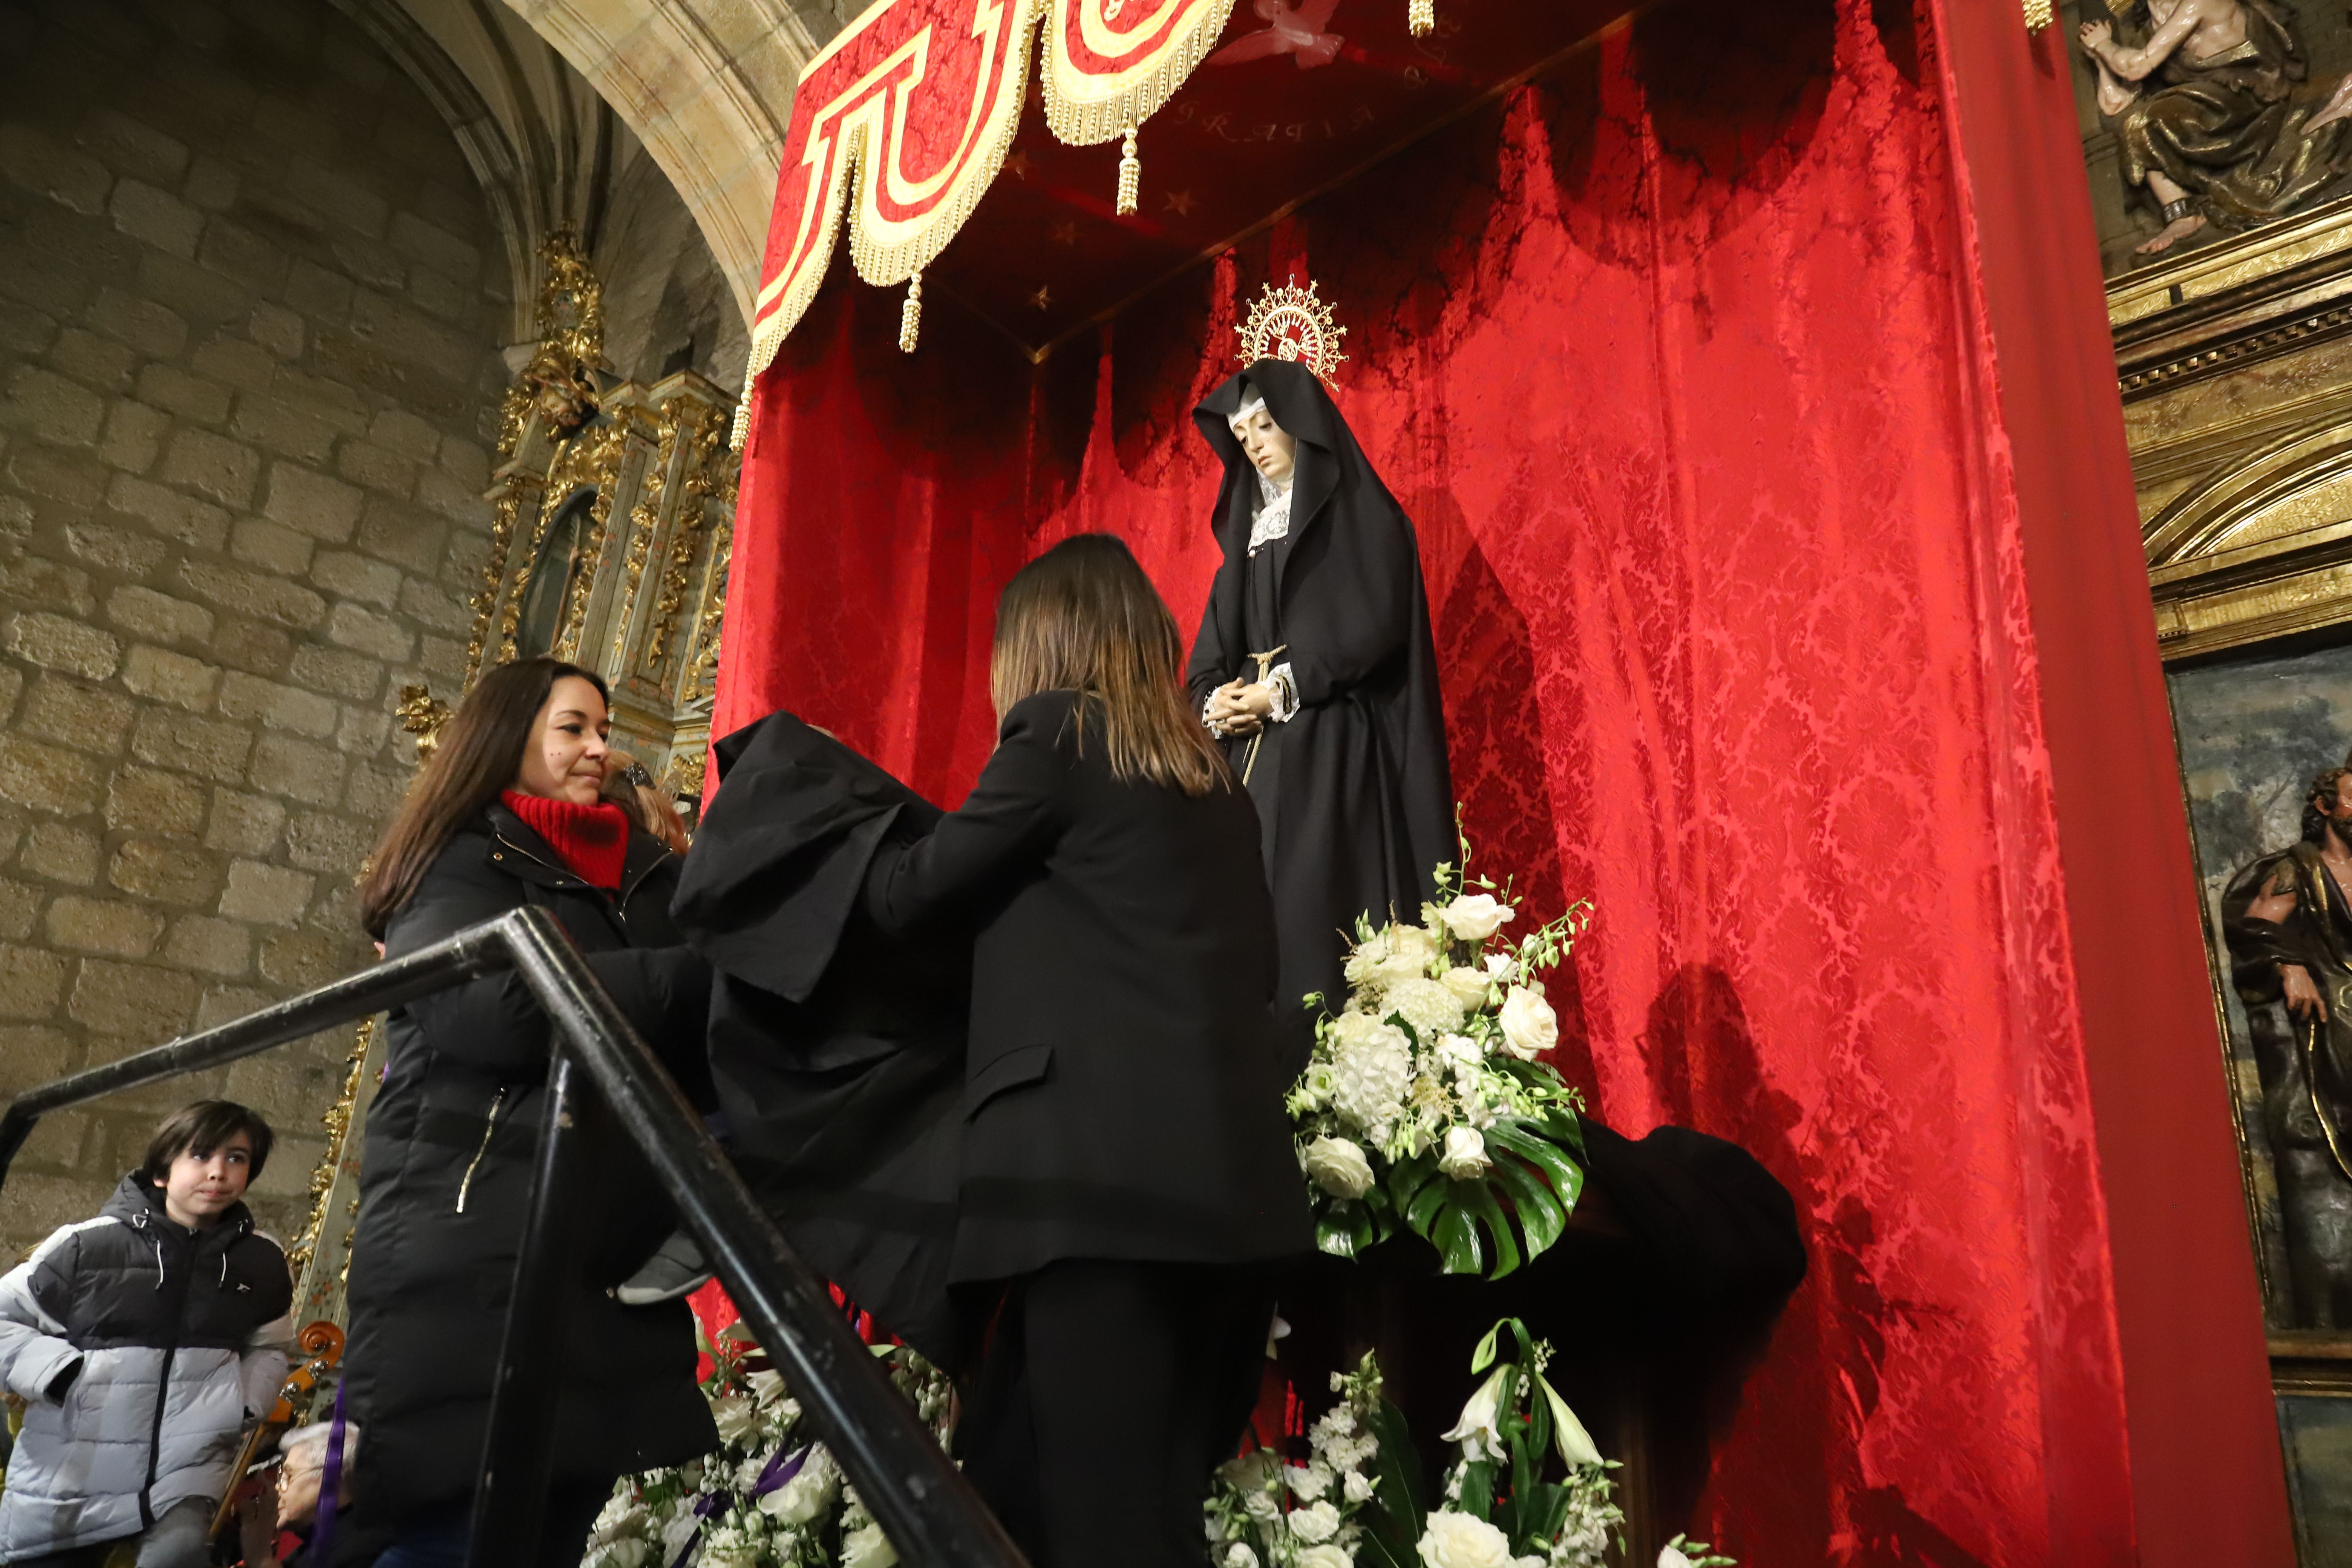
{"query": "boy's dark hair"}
{"type": "Point", "coordinates": [200, 1129]}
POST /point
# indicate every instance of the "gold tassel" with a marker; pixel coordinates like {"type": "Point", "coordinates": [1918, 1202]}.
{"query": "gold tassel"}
{"type": "Point", "coordinates": [1421, 15]}
{"type": "Point", "coordinates": [910, 320]}
{"type": "Point", "coordinates": [2038, 14]}
{"type": "Point", "coordinates": [1131, 175]}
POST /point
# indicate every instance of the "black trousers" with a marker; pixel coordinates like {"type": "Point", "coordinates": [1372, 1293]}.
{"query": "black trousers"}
{"type": "Point", "coordinates": [1109, 1392]}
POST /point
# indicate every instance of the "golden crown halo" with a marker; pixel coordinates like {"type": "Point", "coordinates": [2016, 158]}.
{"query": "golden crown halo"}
{"type": "Point", "coordinates": [1291, 323]}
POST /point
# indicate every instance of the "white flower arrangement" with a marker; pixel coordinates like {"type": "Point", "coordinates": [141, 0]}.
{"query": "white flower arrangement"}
{"type": "Point", "coordinates": [769, 1497]}
{"type": "Point", "coordinates": [1496, 1510]}
{"type": "Point", "coordinates": [1263, 1513]}
{"type": "Point", "coordinates": [1426, 1103]}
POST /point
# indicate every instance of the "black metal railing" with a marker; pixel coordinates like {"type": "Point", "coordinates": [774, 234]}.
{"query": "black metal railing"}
{"type": "Point", "coordinates": [604, 1076]}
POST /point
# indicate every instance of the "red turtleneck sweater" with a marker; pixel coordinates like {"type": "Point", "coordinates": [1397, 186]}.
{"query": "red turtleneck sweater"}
{"type": "Point", "coordinates": [593, 840]}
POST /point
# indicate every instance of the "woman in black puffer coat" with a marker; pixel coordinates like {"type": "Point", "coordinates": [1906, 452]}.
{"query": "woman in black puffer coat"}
{"type": "Point", "coordinates": [507, 814]}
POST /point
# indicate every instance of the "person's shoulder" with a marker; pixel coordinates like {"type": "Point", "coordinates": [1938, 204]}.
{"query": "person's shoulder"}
{"type": "Point", "coordinates": [1041, 718]}
{"type": "Point", "coordinates": [461, 880]}
{"type": "Point", "coordinates": [61, 1252]}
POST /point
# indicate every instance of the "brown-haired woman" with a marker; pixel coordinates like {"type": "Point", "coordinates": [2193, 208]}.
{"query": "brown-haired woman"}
{"type": "Point", "coordinates": [1127, 1179]}
{"type": "Point", "coordinates": [505, 815]}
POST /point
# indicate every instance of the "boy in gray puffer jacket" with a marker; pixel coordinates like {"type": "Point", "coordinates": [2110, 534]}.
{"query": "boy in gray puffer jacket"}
{"type": "Point", "coordinates": [140, 1341]}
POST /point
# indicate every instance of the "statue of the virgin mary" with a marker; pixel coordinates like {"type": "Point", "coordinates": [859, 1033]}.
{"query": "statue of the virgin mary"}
{"type": "Point", "coordinates": [1315, 666]}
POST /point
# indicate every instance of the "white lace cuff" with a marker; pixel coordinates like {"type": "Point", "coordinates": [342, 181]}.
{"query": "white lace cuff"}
{"type": "Point", "coordinates": [1286, 694]}
{"type": "Point", "coordinates": [1214, 727]}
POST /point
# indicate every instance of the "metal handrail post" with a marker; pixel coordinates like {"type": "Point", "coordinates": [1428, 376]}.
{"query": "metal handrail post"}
{"type": "Point", "coordinates": [518, 1445]}
{"type": "Point", "coordinates": [475, 951]}
{"type": "Point", "coordinates": [922, 1502]}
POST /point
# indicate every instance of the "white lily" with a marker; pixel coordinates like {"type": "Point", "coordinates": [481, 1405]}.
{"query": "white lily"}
{"type": "Point", "coordinates": [1479, 1431]}
{"type": "Point", "coordinates": [1567, 1434]}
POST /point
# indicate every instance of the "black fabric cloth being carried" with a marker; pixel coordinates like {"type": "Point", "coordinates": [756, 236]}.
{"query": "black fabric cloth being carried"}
{"type": "Point", "coordinates": [837, 1051]}
{"type": "Point", "coordinates": [1353, 790]}
{"type": "Point", "coordinates": [452, 1138]}
{"type": "Point", "coordinates": [1124, 1074]}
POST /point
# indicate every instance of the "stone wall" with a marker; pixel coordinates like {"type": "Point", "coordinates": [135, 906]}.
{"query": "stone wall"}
{"type": "Point", "coordinates": [248, 356]}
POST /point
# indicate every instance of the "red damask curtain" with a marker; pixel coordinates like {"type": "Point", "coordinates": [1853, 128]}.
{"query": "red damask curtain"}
{"type": "Point", "coordinates": [1770, 486]}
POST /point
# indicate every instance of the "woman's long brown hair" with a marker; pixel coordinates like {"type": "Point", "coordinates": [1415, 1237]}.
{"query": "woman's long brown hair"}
{"type": "Point", "coordinates": [1084, 617]}
{"type": "Point", "coordinates": [479, 754]}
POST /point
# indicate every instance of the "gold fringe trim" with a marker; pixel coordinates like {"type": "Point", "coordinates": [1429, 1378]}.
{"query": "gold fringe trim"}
{"type": "Point", "coordinates": [1083, 110]}
{"type": "Point", "coordinates": [910, 315]}
{"type": "Point", "coordinates": [1421, 16]}
{"type": "Point", "coordinates": [887, 262]}
{"type": "Point", "coordinates": [1131, 176]}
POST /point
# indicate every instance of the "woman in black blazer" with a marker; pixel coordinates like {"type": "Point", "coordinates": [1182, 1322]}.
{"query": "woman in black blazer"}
{"type": "Point", "coordinates": [1127, 1173]}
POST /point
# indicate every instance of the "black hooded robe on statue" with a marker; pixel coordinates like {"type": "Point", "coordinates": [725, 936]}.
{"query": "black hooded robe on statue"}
{"type": "Point", "coordinates": [1352, 790]}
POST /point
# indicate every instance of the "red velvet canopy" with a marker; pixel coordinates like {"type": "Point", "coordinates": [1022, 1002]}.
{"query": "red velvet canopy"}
{"type": "Point", "coordinates": [1745, 376]}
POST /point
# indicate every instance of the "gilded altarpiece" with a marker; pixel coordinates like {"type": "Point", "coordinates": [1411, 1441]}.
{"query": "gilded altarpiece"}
{"type": "Point", "coordinates": [2235, 364]}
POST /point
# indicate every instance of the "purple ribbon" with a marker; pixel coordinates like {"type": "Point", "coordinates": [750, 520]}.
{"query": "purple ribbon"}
{"type": "Point", "coordinates": [331, 1482]}
{"type": "Point", "coordinates": [778, 1471]}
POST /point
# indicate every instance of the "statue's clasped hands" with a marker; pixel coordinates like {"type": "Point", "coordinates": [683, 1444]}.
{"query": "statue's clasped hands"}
{"type": "Point", "coordinates": [1240, 708]}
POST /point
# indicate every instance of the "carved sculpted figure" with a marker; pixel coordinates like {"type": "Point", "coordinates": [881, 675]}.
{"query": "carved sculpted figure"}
{"type": "Point", "coordinates": [2290, 937]}
{"type": "Point", "coordinates": [1315, 665]}
{"type": "Point", "coordinates": [2207, 120]}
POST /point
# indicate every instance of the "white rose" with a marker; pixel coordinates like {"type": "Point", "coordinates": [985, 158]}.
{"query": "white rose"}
{"type": "Point", "coordinates": [1465, 1154]}
{"type": "Point", "coordinates": [1474, 917]}
{"type": "Point", "coordinates": [867, 1547]}
{"type": "Point", "coordinates": [1368, 1075]}
{"type": "Point", "coordinates": [1358, 1487]}
{"type": "Point", "coordinates": [767, 1387]}
{"type": "Point", "coordinates": [1458, 1540]}
{"type": "Point", "coordinates": [1326, 1556]}
{"type": "Point", "coordinates": [1468, 985]}
{"type": "Point", "coordinates": [1670, 1556]}
{"type": "Point", "coordinates": [1500, 967]}
{"type": "Point", "coordinates": [1460, 1051]}
{"type": "Point", "coordinates": [1316, 1521]}
{"type": "Point", "coordinates": [1395, 952]}
{"type": "Point", "coordinates": [1263, 1506]}
{"type": "Point", "coordinates": [736, 1418]}
{"type": "Point", "coordinates": [1308, 1482]}
{"type": "Point", "coordinates": [807, 1495]}
{"type": "Point", "coordinates": [1429, 1005]}
{"type": "Point", "coordinates": [1338, 1166]}
{"type": "Point", "coordinates": [1529, 1025]}
{"type": "Point", "coordinates": [1240, 1556]}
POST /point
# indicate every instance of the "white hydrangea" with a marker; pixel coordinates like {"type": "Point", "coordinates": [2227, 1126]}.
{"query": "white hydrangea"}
{"type": "Point", "coordinates": [1429, 1005]}
{"type": "Point", "coordinates": [1371, 1070]}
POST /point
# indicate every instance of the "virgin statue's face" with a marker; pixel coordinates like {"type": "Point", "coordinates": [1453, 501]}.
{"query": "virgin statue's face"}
{"type": "Point", "coordinates": [1273, 449]}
